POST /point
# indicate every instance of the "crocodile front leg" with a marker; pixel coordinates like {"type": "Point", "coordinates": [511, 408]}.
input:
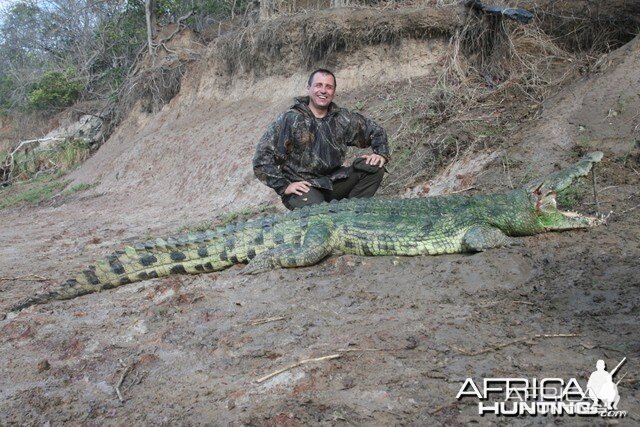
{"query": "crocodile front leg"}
{"type": "Point", "coordinates": [315, 246]}
{"type": "Point", "coordinates": [483, 237]}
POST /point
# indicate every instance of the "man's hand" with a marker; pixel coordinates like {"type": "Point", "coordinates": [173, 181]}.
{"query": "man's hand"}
{"type": "Point", "coordinates": [374, 159]}
{"type": "Point", "coordinates": [297, 188]}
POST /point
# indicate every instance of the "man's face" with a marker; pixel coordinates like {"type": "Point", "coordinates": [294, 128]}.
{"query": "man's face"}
{"type": "Point", "coordinates": [321, 91]}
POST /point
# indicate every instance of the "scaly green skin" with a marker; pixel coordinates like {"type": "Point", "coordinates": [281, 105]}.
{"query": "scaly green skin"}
{"type": "Point", "coordinates": [427, 226]}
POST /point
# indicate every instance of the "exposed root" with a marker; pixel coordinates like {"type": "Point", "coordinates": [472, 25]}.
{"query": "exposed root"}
{"type": "Point", "coordinates": [305, 41]}
{"type": "Point", "coordinates": [492, 62]}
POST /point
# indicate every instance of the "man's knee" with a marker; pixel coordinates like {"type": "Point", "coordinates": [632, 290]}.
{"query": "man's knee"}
{"type": "Point", "coordinates": [373, 179]}
{"type": "Point", "coordinates": [368, 184]}
{"type": "Point", "coordinates": [378, 175]}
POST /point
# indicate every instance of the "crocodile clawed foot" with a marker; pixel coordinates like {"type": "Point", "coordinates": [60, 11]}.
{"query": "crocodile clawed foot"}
{"type": "Point", "coordinates": [514, 242]}
{"type": "Point", "coordinates": [253, 270]}
{"type": "Point", "coordinates": [258, 265]}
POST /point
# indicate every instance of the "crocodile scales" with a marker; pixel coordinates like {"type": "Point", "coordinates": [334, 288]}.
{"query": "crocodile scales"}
{"type": "Point", "coordinates": [423, 226]}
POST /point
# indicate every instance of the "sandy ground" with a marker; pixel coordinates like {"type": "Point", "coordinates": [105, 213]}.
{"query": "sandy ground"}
{"type": "Point", "coordinates": [407, 332]}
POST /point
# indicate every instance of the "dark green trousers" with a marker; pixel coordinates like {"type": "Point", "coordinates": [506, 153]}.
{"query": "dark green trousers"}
{"type": "Point", "coordinates": [359, 184]}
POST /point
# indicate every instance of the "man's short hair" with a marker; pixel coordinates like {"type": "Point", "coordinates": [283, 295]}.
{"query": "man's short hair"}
{"type": "Point", "coordinates": [322, 71]}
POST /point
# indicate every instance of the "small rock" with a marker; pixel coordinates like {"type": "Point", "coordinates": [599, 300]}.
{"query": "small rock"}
{"type": "Point", "coordinates": [411, 343]}
{"type": "Point", "coordinates": [43, 365]}
{"type": "Point", "coordinates": [231, 404]}
{"type": "Point", "coordinates": [348, 383]}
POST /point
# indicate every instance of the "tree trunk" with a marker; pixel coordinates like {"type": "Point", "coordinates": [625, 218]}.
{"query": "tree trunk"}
{"type": "Point", "coordinates": [149, 5]}
{"type": "Point", "coordinates": [339, 3]}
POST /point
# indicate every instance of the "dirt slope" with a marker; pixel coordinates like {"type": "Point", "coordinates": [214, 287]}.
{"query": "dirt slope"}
{"type": "Point", "coordinates": [190, 349]}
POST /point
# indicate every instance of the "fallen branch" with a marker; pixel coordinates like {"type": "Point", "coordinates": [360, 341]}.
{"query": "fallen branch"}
{"type": "Point", "coordinates": [517, 341]}
{"type": "Point", "coordinates": [347, 350]}
{"type": "Point", "coordinates": [31, 141]}
{"type": "Point", "coordinates": [522, 302]}
{"type": "Point", "coordinates": [595, 191]}
{"type": "Point", "coordinates": [8, 165]}
{"type": "Point", "coordinates": [295, 365]}
{"type": "Point", "coordinates": [122, 377]}
{"type": "Point", "coordinates": [265, 320]}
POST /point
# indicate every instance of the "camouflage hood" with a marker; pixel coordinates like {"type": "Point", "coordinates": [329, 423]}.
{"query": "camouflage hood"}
{"type": "Point", "coordinates": [301, 103]}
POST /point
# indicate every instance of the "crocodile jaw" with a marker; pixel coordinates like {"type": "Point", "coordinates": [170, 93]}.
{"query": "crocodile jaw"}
{"type": "Point", "coordinates": [553, 219]}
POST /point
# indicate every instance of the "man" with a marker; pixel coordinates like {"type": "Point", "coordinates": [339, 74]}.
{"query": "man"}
{"type": "Point", "coordinates": [301, 154]}
{"type": "Point", "coordinates": [601, 387]}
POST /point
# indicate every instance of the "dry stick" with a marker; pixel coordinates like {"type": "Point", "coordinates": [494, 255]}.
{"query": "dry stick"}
{"type": "Point", "coordinates": [608, 188]}
{"type": "Point", "coordinates": [522, 302]}
{"type": "Point", "coordinates": [461, 191]}
{"type": "Point", "coordinates": [332, 356]}
{"type": "Point", "coordinates": [629, 210]}
{"type": "Point", "coordinates": [37, 278]}
{"type": "Point", "coordinates": [438, 409]}
{"type": "Point", "coordinates": [348, 350]}
{"type": "Point", "coordinates": [505, 168]}
{"type": "Point", "coordinates": [137, 380]}
{"type": "Point", "coordinates": [124, 374]}
{"type": "Point", "coordinates": [519, 340]}
{"type": "Point", "coordinates": [265, 320]}
{"type": "Point", "coordinates": [295, 365]}
{"type": "Point", "coordinates": [595, 192]}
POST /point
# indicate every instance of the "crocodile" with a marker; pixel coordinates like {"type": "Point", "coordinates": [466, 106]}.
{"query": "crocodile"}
{"type": "Point", "coordinates": [420, 226]}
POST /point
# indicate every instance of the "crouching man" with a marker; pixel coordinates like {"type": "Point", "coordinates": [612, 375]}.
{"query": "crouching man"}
{"type": "Point", "coordinates": [301, 154]}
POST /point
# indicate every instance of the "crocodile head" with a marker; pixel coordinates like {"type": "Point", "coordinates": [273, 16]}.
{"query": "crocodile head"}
{"type": "Point", "coordinates": [549, 217]}
{"type": "Point", "coordinates": [545, 190]}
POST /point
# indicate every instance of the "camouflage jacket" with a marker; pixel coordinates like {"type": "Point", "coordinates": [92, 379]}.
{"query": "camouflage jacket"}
{"type": "Point", "coordinates": [300, 147]}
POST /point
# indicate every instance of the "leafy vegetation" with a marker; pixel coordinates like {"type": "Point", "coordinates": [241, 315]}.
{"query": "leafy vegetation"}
{"type": "Point", "coordinates": [55, 89]}
{"type": "Point", "coordinates": [55, 52]}
{"type": "Point", "coordinates": [43, 188]}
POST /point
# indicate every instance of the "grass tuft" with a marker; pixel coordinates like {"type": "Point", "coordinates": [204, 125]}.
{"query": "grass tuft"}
{"type": "Point", "coordinates": [43, 188]}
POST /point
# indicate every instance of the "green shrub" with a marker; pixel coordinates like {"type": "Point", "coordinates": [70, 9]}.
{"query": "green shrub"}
{"type": "Point", "coordinates": [54, 90]}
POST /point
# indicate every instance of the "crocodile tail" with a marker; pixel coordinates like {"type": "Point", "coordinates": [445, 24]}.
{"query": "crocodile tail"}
{"type": "Point", "coordinates": [70, 289]}
{"type": "Point", "coordinates": [183, 254]}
